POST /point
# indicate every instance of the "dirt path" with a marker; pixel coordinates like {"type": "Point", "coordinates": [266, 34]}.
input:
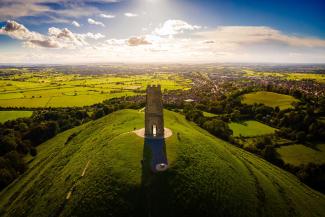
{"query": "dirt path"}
{"type": "Point", "coordinates": [74, 185]}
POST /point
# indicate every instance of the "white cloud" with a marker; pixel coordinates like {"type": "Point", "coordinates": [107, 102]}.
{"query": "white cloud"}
{"type": "Point", "coordinates": [18, 31]}
{"type": "Point", "coordinates": [75, 23]}
{"type": "Point", "coordinates": [66, 38]}
{"type": "Point", "coordinates": [128, 14]}
{"type": "Point", "coordinates": [94, 22]}
{"type": "Point", "coordinates": [173, 27]}
{"type": "Point", "coordinates": [56, 38]}
{"type": "Point", "coordinates": [137, 41]}
{"type": "Point", "coordinates": [108, 16]}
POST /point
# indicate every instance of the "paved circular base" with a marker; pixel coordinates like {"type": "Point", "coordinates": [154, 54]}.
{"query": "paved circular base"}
{"type": "Point", "coordinates": [167, 133]}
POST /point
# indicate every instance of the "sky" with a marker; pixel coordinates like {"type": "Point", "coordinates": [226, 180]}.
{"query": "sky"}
{"type": "Point", "coordinates": [167, 31]}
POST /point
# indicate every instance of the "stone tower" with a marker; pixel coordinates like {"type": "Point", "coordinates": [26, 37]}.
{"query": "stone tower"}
{"type": "Point", "coordinates": [154, 119]}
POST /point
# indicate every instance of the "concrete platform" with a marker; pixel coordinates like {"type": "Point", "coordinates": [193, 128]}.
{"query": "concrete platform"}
{"type": "Point", "coordinates": [140, 132]}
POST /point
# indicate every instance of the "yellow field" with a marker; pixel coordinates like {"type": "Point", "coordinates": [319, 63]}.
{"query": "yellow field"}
{"type": "Point", "coordinates": [320, 78]}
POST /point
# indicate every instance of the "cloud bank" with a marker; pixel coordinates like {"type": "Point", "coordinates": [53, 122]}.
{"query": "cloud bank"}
{"type": "Point", "coordinates": [177, 39]}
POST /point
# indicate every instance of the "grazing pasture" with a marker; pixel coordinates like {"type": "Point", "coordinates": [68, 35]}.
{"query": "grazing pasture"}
{"type": "Point", "coordinates": [250, 129]}
{"type": "Point", "coordinates": [299, 154]}
{"type": "Point", "coordinates": [269, 99]}
{"type": "Point", "coordinates": [11, 115]}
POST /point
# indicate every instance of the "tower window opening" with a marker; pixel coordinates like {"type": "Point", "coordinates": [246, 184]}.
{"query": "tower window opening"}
{"type": "Point", "coordinates": [154, 130]}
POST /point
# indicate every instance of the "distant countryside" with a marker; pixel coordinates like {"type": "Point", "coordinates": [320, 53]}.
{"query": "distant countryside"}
{"type": "Point", "coordinates": [46, 89]}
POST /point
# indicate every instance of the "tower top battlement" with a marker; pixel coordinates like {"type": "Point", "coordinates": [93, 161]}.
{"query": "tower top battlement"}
{"type": "Point", "coordinates": [154, 88]}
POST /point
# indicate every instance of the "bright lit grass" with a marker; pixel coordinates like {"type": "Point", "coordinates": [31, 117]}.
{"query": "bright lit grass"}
{"type": "Point", "coordinates": [5, 96]}
{"type": "Point", "coordinates": [52, 89]}
{"type": "Point", "coordinates": [251, 129]}
{"type": "Point", "coordinates": [11, 115]}
{"type": "Point", "coordinates": [300, 154]}
{"type": "Point", "coordinates": [269, 99]}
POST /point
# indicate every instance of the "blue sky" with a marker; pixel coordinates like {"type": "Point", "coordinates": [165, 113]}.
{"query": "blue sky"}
{"type": "Point", "coordinates": [47, 31]}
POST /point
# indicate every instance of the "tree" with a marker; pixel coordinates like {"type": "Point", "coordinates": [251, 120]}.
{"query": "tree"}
{"type": "Point", "coordinates": [33, 151]}
{"type": "Point", "coordinates": [5, 177]}
{"type": "Point", "coordinates": [7, 144]}
{"type": "Point", "coordinates": [16, 162]}
{"type": "Point", "coordinates": [301, 136]}
{"type": "Point", "coordinates": [98, 114]}
{"type": "Point", "coordinates": [42, 132]}
{"type": "Point", "coordinates": [218, 128]}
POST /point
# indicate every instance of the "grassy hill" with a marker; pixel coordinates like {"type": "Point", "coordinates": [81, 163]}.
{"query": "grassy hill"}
{"type": "Point", "coordinates": [206, 177]}
{"type": "Point", "coordinates": [269, 99]}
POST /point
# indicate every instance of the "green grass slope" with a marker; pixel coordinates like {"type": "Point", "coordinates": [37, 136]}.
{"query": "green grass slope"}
{"type": "Point", "coordinates": [269, 99]}
{"type": "Point", "coordinates": [206, 177]}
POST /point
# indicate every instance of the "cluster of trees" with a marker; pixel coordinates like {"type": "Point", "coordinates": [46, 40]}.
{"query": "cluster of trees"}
{"type": "Point", "coordinates": [310, 174]}
{"type": "Point", "coordinates": [214, 125]}
{"type": "Point", "coordinates": [301, 123]}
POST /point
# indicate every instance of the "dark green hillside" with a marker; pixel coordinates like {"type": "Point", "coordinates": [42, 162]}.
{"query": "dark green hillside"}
{"type": "Point", "coordinates": [207, 176]}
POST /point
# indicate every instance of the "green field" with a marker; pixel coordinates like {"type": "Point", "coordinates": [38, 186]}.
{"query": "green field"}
{"type": "Point", "coordinates": [11, 115]}
{"type": "Point", "coordinates": [209, 115]}
{"type": "Point", "coordinates": [300, 154]}
{"type": "Point", "coordinates": [251, 129]}
{"type": "Point", "coordinates": [206, 176]}
{"type": "Point", "coordinates": [320, 78]}
{"type": "Point", "coordinates": [61, 90]}
{"type": "Point", "coordinates": [269, 99]}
